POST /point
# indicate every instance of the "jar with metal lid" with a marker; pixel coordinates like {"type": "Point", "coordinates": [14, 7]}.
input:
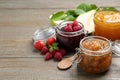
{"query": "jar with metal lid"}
{"type": "Point", "coordinates": [96, 55]}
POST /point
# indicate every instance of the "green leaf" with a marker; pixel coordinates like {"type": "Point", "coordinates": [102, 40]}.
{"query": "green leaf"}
{"type": "Point", "coordinates": [107, 9]}
{"type": "Point", "coordinates": [69, 18]}
{"type": "Point", "coordinates": [51, 49]}
{"type": "Point", "coordinates": [71, 12]}
{"type": "Point", "coordinates": [79, 11]}
{"type": "Point", "coordinates": [93, 6]}
{"type": "Point", "coordinates": [84, 6]}
{"type": "Point", "coordinates": [55, 44]}
{"type": "Point", "coordinates": [58, 16]}
{"type": "Point", "coordinates": [56, 47]}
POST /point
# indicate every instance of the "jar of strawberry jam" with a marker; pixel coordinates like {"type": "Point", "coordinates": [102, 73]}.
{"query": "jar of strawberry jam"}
{"type": "Point", "coordinates": [96, 55]}
{"type": "Point", "coordinates": [69, 34]}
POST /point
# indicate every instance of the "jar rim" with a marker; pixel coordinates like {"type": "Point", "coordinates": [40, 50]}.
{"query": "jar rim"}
{"type": "Point", "coordinates": [90, 52]}
{"type": "Point", "coordinates": [100, 10]}
{"type": "Point", "coordinates": [69, 33]}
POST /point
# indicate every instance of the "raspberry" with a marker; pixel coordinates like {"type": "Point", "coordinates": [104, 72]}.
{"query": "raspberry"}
{"type": "Point", "coordinates": [63, 51]}
{"type": "Point", "coordinates": [44, 50]}
{"type": "Point", "coordinates": [53, 52]}
{"type": "Point", "coordinates": [68, 28]}
{"type": "Point", "coordinates": [48, 56]}
{"type": "Point", "coordinates": [77, 28]}
{"type": "Point", "coordinates": [58, 56]}
{"type": "Point", "coordinates": [75, 23]}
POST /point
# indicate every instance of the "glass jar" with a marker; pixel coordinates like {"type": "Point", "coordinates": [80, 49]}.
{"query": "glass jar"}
{"type": "Point", "coordinates": [107, 24]}
{"type": "Point", "coordinates": [69, 40]}
{"type": "Point", "coordinates": [96, 55]}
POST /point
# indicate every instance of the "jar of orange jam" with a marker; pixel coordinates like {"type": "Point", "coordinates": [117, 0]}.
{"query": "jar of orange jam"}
{"type": "Point", "coordinates": [96, 55]}
{"type": "Point", "coordinates": [107, 24]}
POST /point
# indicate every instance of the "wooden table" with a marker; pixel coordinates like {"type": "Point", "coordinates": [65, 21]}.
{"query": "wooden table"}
{"type": "Point", "coordinates": [18, 59]}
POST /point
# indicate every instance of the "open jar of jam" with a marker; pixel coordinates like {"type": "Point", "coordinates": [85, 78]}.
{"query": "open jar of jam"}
{"type": "Point", "coordinates": [69, 39]}
{"type": "Point", "coordinates": [96, 55]}
{"type": "Point", "coordinates": [107, 24]}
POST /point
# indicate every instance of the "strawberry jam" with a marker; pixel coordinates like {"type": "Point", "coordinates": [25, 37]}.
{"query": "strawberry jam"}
{"type": "Point", "coordinates": [69, 34]}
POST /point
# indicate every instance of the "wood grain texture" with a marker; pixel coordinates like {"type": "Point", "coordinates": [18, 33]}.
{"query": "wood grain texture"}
{"type": "Point", "coordinates": [36, 4]}
{"type": "Point", "coordinates": [19, 60]}
{"type": "Point", "coordinates": [37, 69]}
{"type": "Point", "coordinates": [26, 18]}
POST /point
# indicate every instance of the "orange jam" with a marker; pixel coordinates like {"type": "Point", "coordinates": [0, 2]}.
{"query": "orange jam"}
{"type": "Point", "coordinates": [107, 24]}
{"type": "Point", "coordinates": [96, 55]}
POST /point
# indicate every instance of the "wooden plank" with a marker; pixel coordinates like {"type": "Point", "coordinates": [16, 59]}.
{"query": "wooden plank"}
{"type": "Point", "coordinates": [18, 48]}
{"type": "Point", "coordinates": [21, 24]}
{"type": "Point", "coordinates": [35, 4]}
{"type": "Point", "coordinates": [38, 69]}
{"type": "Point", "coordinates": [23, 18]}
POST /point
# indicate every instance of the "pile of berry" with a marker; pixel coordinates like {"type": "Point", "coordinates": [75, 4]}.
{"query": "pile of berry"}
{"type": "Point", "coordinates": [72, 27]}
{"type": "Point", "coordinates": [50, 49]}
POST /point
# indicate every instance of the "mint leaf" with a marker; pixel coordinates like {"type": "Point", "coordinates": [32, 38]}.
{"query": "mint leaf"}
{"type": "Point", "coordinates": [56, 47]}
{"type": "Point", "coordinates": [79, 11]}
{"type": "Point", "coordinates": [58, 16]}
{"type": "Point", "coordinates": [51, 49]}
{"type": "Point", "coordinates": [84, 6]}
{"type": "Point", "coordinates": [55, 44]}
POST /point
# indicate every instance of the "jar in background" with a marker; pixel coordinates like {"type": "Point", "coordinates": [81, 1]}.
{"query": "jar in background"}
{"type": "Point", "coordinates": [69, 40]}
{"type": "Point", "coordinates": [96, 55]}
{"type": "Point", "coordinates": [107, 24]}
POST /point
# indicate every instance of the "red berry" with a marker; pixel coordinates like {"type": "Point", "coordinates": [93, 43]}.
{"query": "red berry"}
{"type": "Point", "coordinates": [75, 23]}
{"type": "Point", "coordinates": [53, 52]}
{"type": "Point", "coordinates": [50, 41]}
{"type": "Point", "coordinates": [63, 51]}
{"type": "Point", "coordinates": [39, 45]}
{"type": "Point", "coordinates": [48, 56]}
{"type": "Point", "coordinates": [77, 28]}
{"type": "Point", "coordinates": [68, 28]}
{"type": "Point", "coordinates": [58, 56]}
{"type": "Point", "coordinates": [44, 50]}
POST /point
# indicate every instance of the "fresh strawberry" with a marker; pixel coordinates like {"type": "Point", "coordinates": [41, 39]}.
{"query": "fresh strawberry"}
{"type": "Point", "coordinates": [48, 56]}
{"type": "Point", "coordinates": [50, 41]}
{"type": "Point", "coordinates": [75, 23]}
{"type": "Point", "coordinates": [68, 28]}
{"type": "Point", "coordinates": [44, 50]}
{"type": "Point", "coordinates": [63, 51]}
{"type": "Point", "coordinates": [77, 28]}
{"type": "Point", "coordinates": [39, 45]}
{"type": "Point", "coordinates": [58, 56]}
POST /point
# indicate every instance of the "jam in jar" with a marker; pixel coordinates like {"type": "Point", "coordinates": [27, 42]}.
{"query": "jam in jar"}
{"type": "Point", "coordinates": [96, 55]}
{"type": "Point", "coordinates": [68, 36]}
{"type": "Point", "coordinates": [107, 24]}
